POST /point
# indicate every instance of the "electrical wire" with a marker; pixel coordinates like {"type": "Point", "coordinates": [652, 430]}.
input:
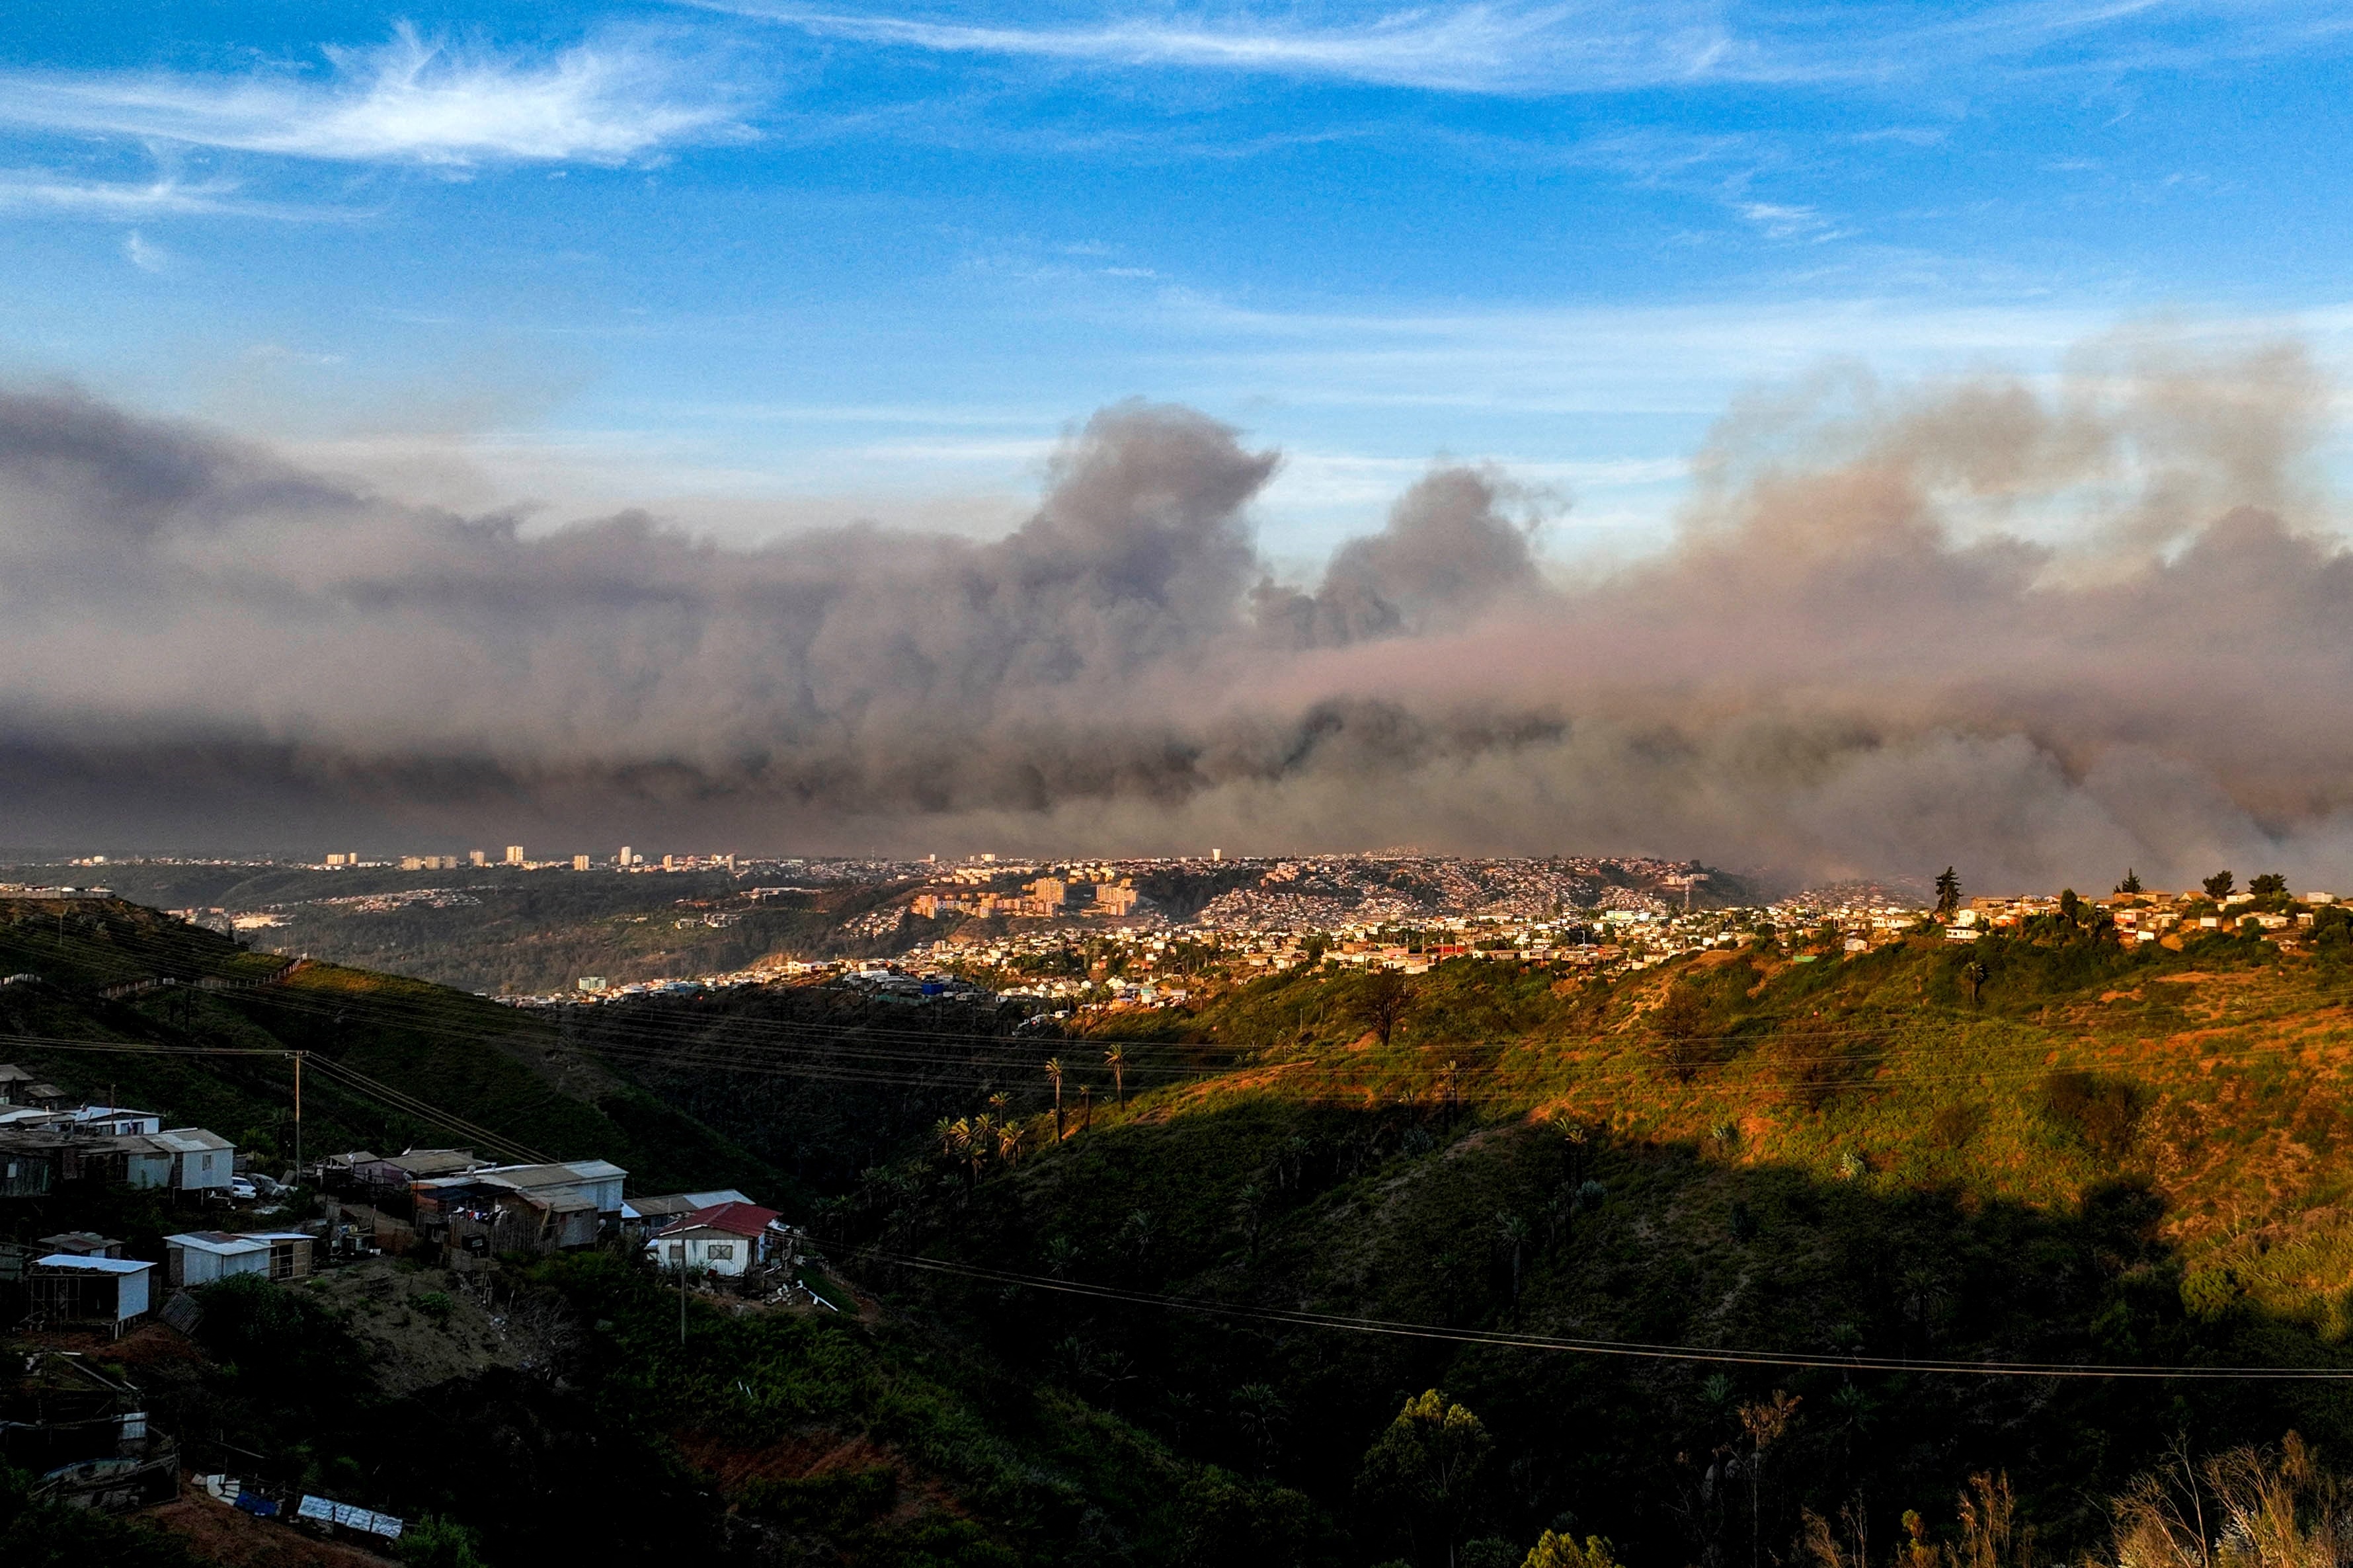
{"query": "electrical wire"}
{"type": "Point", "coordinates": [1628, 1348]}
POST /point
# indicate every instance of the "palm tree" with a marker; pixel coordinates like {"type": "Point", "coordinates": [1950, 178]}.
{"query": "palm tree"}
{"type": "Point", "coordinates": [1054, 1072]}
{"type": "Point", "coordinates": [1117, 1060]}
{"type": "Point", "coordinates": [1086, 1106]}
{"type": "Point", "coordinates": [980, 1143]}
{"type": "Point", "coordinates": [1512, 1232]}
{"type": "Point", "coordinates": [1009, 1143]}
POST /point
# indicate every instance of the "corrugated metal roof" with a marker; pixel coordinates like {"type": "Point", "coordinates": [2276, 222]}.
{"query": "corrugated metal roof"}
{"type": "Point", "coordinates": [191, 1140]}
{"type": "Point", "coordinates": [96, 1265]}
{"type": "Point", "coordinates": [218, 1241]}
{"type": "Point", "coordinates": [666, 1204]}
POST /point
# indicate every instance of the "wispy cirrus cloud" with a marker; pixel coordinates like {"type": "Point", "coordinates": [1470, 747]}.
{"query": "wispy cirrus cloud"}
{"type": "Point", "coordinates": [168, 196]}
{"type": "Point", "coordinates": [412, 99]}
{"type": "Point", "coordinates": [1501, 47]}
{"type": "Point", "coordinates": [1478, 48]}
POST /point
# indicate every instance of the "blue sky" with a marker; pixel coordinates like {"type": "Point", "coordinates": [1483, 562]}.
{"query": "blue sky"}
{"type": "Point", "coordinates": [761, 265]}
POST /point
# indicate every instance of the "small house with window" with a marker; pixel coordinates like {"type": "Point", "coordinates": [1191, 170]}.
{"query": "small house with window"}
{"type": "Point", "coordinates": [727, 1238]}
{"type": "Point", "coordinates": [201, 1256]}
{"type": "Point", "coordinates": [202, 1161]}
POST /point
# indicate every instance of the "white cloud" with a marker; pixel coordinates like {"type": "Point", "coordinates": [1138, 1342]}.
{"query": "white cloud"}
{"type": "Point", "coordinates": [410, 100]}
{"type": "Point", "coordinates": [1576, 45]}
{"type": "Point", "coordinates": [42, 190]}
{"type": "Point", "coordinates": [145, 255]}
{"type": "Point", "coordinates": [1477, 47]}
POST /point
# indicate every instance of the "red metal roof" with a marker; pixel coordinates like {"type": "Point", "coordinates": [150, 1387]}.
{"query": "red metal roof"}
{"type": "Point", "coordinates": [737, 1219]}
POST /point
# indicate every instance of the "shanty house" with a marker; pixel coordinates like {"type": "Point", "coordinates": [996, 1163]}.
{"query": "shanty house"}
{"type": "Point", "coordinates": [473, 1214]}
{"type": "Point", "coordinates": [599, 1181]}
{"type": "Point", "coordinates": [83, 1244]}
{"type": "Point", "coordinates": [410, 1166]}
{"type": "Point", "coordinates": [201, 1256]}
{"type": "Point", "coordinates": [725, 1238]}
{"type": "Point", "coordinates": [202, 1161]}
{"type": "Point", "coordinates": [72, 1288]}
{"type": "Point", "coordinates": [83, 1434]}
{"type": "Point", "coordinates": [28, 1163]}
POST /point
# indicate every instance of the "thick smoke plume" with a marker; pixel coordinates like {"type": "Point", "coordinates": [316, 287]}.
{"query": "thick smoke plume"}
{"type": "Point", "coordinates": [2044, 634]}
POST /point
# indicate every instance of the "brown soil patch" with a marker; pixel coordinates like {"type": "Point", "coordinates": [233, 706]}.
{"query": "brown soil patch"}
{"type": "Point", "coordinates": [814, 1454]}
{"type": "Point", "coordinates": [424, 1328]}
{"type": "Point", "coordinates": [236, 1539]}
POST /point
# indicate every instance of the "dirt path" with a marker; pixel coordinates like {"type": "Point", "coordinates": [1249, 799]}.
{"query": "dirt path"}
{"type": "Point", "coordinates": [237, 1540]}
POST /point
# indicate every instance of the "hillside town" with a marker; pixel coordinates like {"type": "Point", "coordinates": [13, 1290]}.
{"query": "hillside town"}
{"type": "Point", "coordinates": [1081, 935]}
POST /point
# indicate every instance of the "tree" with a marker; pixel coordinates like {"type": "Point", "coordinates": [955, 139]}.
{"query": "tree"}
{"type": "Point", "coordinates": [1973, 977]}
{"type": "Point", "coordinates": [979, 1144]}
{"type": "Point", "coordinates": [1054, 1072]}
{"type": "Point", "coordinates": [1679, 1022]}
{"type": "Point", "coordinates": [2267, 885]}
{"type": "Point", "coordinates": [2218, 885]}
{"type": "Point", "coordinates": [1261, 1412]}
{"type": "Point", "coordinates": [1948, 894]}
{"type": "Point", "coordinates": [1512, 1235]}
{"type": "Point", "coordinates": [1424, 1472]}
{"type": "Point", "coordinates": [2131, 884]}
{"type": "Point", "coordinates": [1382, 1001]}
{"type": "Point", "coordinates": [1115, 1059]}
{"type": "Point", "coordinates": [1765, 1423]}
{"type": "Point", "coordinates": [2070, 908]}
{"type": "Point", "coordinates": [1553, 1551]}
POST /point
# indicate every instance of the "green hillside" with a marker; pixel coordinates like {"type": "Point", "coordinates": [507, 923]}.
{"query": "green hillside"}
{"type": "Point", "coordinates": [467, 1064]}
{"type": "Point", "coordinates": [2071, 1152]}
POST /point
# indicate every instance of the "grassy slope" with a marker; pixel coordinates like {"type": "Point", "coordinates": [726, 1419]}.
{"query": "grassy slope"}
{"type": "Point", "coordinates": [504, 1069]}
{"type": "Point", "coordinates": [1831, 1156]}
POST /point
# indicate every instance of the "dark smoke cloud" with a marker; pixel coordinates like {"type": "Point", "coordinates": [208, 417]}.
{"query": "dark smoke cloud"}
{"type": "Point", "coordinates": [1869, 650]}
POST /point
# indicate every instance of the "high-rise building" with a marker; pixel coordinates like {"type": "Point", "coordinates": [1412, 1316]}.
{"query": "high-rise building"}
{"type": "Point", "coordinates": [669, 862]}
{"type": "Point", "coordinates": [478, 857]}
{"type": "Point", "coordinates": [624, 858]}
{"type": "Point", "coordinates": [514, 854]}
{"type": "Point", "coordinates": [580, 862]}
{"type": "Point", "coordinates": [334, 860]}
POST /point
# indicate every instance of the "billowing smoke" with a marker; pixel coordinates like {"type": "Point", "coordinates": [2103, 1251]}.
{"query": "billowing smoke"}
{"type": "Point", "coordinates": [2042, 633]}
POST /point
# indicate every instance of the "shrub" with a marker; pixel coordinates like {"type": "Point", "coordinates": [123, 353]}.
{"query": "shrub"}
{"type": "Point", "coordinates": [2102, 1114]}
{"type": "Point", "coordinates": [433, 1542]}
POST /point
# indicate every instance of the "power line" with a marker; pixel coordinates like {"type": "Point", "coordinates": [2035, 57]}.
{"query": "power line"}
{"type": "Point", "coordinates": [1618, 1348]}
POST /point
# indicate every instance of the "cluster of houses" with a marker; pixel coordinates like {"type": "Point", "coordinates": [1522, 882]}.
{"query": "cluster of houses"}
{"type": "Point", "coordinates": [465, 1207]}
{"type": "Point", "coordinates": [2145, 916]}
{"type": "Point", "coordinates": [45, 1143]}
{"type": "Point", "coordinates": [472, 1208]}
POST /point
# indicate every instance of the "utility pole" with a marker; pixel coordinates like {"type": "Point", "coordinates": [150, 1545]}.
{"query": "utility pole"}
{"type": "Point", "coordinates": [298, 1119]}
{"type": "Point", "coordinates": [681, 1292]}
